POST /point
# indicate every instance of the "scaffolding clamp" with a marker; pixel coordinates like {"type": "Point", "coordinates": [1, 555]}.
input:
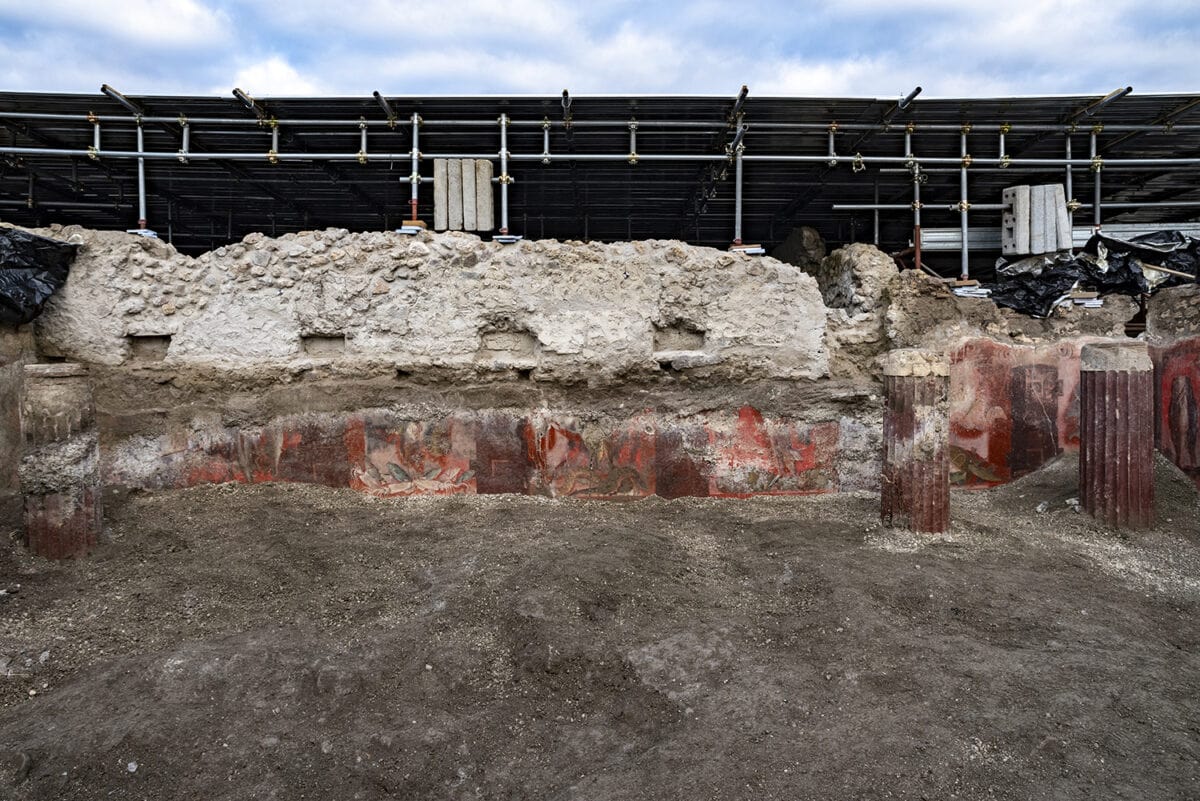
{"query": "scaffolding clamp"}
{"type": "Point", "coordinates": [917, 205]}
{"type": "Point", "coordinates": [415, 178]}
{"type": "Point", "coordinates": [1005, 127]}
{"type": "Point", "coordinates": [633, 159]}
{"type": "Point", "coordinates": [362, 157]}
{"type": "Point", "coordinates": [966, 160]}
{"type": "Point", "coordinates": [182, 156]}
{"type": "Point", "coordinates": [183, 121]}
{"type": "Point", "coordinates": [833, 127]}
{"type": "Point", "coordinates": [1097, 163]}
{"type": "Point", "coordinates": [1098, 128]}
{"type": "Point", "coordinates": [92, 118]}
{"type": "Point", "coordinates": [964, 205]}
{"type": "Point", "coordinates": [858, 165]}
{"type": "Point", "coordinates": [93, 153]}
{"type": "Point", "coordinates": [1005, 161]}
{"type": "Point", "coordinates": [272, 157]}
{"type": "Point", "coordinates": [910, 126]}
{"type": "Point", "coordinates": [966, 128]}
{"type": "Point", "coordinates": [1073, 205]}
{"type": "Point", "coordinates": [505, 178]}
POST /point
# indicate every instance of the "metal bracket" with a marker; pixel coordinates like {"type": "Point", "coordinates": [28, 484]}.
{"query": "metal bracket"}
{"type": "Point", "coordinates": [415, 178]}
{"type": "Point", "coordinates": [1097, 163]}
{"type": "Point", "coordinates": [1005, 161]}
{"type": "Point", "coordinates": [505, 178]}
{"type": "Point", "coordinates": [362, 157]}
{"type": "Point", "coordinates": [966, 160]}
{"type": "Point", "coordinates": [1073, 205]}
{"type": "Point", "coordinates": [963, 205]}
{"type": "Point", "coordinates": [272, 157]}
{"type": "Point", "coordinates": [966, 128]}
{"type": "Point", "coordinates": [93, 153]}
{"type": "Point", "coordinates": [1005, 128]}
{"type": "Point", "coordinates": [858, 165]}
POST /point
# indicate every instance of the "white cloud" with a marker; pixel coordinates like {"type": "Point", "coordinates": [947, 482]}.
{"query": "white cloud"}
{"type": "Point", "coordinates": [274, 77]}
{"type": "Point", "coordinates": [147, 23]}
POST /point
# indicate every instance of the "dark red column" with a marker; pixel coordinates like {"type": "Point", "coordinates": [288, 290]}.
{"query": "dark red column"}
{"type": "Point", "coordinates": [1116, 451]}
{"type": "Point", "coordinates": [916, 441]}
{"type": "Point", "coordinates": [60, 468]}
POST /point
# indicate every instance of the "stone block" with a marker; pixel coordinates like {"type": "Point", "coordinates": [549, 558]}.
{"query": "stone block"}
{"type": "Point", "coordinates": [470, 219]}
{"type": "Point", "coordinates": [441, 203]}
{"type": "Point", "coordinates": [1015, 223]}
{"type": "Point", "coordinates": [454, 194]}
{"type": "Point", "coordinates": [484, 209]}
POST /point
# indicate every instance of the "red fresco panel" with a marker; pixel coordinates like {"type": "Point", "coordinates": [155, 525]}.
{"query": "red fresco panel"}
{"type": "Point", "coordinates": [755, 456]}
{"type": "Point", "coordinates": [403, 458]}
{"type": "Point", "coordinates": [1177, 403]}
{"type": "Point", "coordinates": [588, 460]}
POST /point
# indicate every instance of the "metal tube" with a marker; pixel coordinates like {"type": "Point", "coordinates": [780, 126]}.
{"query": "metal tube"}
{"type": "Point", "coordinates": [141, 181]}
{"type": "Point", "coordinates": [810, 159]}
{"type": "Point", "coordinates": [1096, 212]}
{"type": "Point", "coordinates": [1069, 175]}
{"type": "Point", "coordinates": [96, 136]}
{"type": "Point", "coordinates": [504, 177]}
{"type": "Point", "coordinates": [415, 177]}
{"type": "Point", "coordinates": [737, 191]}
{"type": "Point", "coordinates": [916, 207]}
{"type": "Point", "coordinates": [963, 205]}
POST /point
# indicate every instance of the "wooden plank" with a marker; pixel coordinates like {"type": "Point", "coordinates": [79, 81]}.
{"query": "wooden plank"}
{"type": "Point", "coordinates": [468, 195]}
{"type": "Point", "coordinates": [441, 208]}
{"type": "Point", "coordinates": [485, 214]}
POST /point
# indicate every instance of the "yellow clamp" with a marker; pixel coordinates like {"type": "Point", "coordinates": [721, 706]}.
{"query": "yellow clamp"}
{"type": "Point", "coordinates": [833, 127]}
{"type": "Point", "coordinates": [966, 160]}
{"type": "Point", "coordinates": [917, 205]}
{"type": "Point", "coordinates": [633, 158]}
{"type": "Point", "coordinates": [1005, 161]}
{"type": "Point", "coordinates": [964, 205]}
{"type": "Point", "coordinates": [92, 118]}
{"type": "Point", "coordinates": [1005, 128]}
{"type": "Point", "coordinates": [910, 127]}
{"type": "Point", "coordinates": [362, 157]}
{"type": "Point", "coordinates": [272, 157]}
{"type": "Point", "coordinates": [415, 178]}
{"type": "Point", "coordinates": [93, 154]}
{"type": "Point", "coordinates": [362, 123]}
{"type": "Point", "coordinates": [1097, 164]}
{"type": "Point", "coordinates": [545, 123]}
{"type": "Point", "coordinates": [966, 128]}
{"type": "Point", "coordinates": [1098, 128]}
{"type": "Point", "coordinates": [1074, 205]}
{"type": "Point", "coordinates": [183, 121]}
{"type": "Point", "coordinates": [858, 165]}
{"type": "Point", "coordinates": [505, 178]}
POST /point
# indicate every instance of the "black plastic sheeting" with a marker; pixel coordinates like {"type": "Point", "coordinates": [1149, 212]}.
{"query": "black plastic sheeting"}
{"type": "Point", "coordinates": [1106, 265]}
{"type": "Point", "coordinates": [32, 268]}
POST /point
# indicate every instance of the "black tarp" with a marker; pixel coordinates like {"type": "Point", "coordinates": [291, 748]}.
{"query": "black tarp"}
{"type": "Point", "coordinates": [1106, 265]}
{"type": "Point", "coordinates": [32, 268]}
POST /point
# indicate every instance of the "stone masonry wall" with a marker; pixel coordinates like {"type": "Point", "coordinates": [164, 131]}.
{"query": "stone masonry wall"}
{"type": "Point", "coordinates": [439, 364]}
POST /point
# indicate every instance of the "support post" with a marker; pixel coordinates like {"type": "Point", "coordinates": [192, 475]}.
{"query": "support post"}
{"type": "Point", "coordinates": [60, 469]}
{"type": "Point", "coordinates": [1116, 443]}
{"type": "Point", "coordinates": [737, 188]}
{"type": "Point", "coordinates": [915, 492]}
{"type": "Point", "coordinates": [141, 178]}
{"type": "Point", "coordinates": [504, 177]}
{"type": "Point", "coordinates": [1096, 214]}
{"type": "Point", "coordinates": [963, 206]}
{"type": "Point", "coordinates": [415, 177]}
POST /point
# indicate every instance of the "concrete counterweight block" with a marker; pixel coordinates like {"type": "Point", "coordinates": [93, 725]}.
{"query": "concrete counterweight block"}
{"type": "Point", "coordinates": [1116, 450]}
{"type": "Point", "coordinates": [916, 441]}
{"type": "Point", "coordinates": [60, 468]}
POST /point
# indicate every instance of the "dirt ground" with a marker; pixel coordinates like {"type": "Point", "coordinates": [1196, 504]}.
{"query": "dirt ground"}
{"type": "Point", "coordinates": [295, 642]}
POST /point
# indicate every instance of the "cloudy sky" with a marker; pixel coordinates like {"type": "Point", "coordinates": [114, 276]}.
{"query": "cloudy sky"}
{"type": "Point", "coordinates": [879, 48]}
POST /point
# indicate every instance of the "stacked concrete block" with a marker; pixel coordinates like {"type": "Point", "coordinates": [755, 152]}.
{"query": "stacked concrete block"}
{"type": "Point", "coordinates": [1035, 221]}
{"type": "Point", "coordinates": [60, 469]}
{"type": "Point", "coordinates": [462, 195]}
{"type": "Point", "coordinates": [915, 490]}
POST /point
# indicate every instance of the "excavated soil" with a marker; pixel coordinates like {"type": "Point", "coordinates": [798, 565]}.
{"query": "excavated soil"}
{"type": "Point", "coordinates": [290, 642]}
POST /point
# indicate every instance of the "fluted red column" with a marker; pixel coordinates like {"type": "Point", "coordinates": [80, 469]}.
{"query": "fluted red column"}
{"type": "Point", "coordinates": [60, 468]}
{"type": "Point", "coordinates": [1116, 451]}
{"type": "Point", "coordinates": [916, 440]}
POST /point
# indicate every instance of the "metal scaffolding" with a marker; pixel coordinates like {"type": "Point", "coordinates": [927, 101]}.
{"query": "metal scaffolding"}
{"type": "Point", "coordinates": [740, 168]}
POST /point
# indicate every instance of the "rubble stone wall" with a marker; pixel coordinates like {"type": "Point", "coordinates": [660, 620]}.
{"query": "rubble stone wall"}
{"type": "Point", "coordinates": [441, 364]}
